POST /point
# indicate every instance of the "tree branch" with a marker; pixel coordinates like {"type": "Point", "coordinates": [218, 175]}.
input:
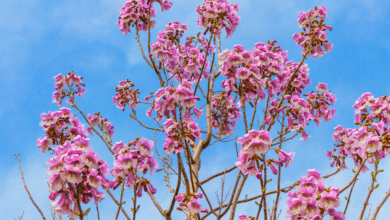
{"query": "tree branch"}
{"type": "Point", "coordinates": [108, 144]}
{"type": "Point", "coordinates": [18, 158]}
{"type": "Point", "coordinates": [380, 205]}
{"type": "Point", "coordinates": [217, 175]}
{"type": "Point", "coordinates": [116, 202]}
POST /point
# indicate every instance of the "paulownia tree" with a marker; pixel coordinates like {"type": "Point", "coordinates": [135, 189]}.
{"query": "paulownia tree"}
{"type": "Point", "coordinates": [198, 81]}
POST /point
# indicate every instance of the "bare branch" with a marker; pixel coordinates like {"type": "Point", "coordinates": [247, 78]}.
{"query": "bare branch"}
{"type": "Point", "coordinates": [116, 202]}
{"type": "Point", "coordinates": [18, 158]}
{"type": "Point", "coordinates": [235, 202]}
{"type": "Point", "coordinates": [152, 198]}
{"type": "Point", "coordinates": [140, 47]}
{"type": "Point", "coordinates": [108, 144]}
{"type": "Point", "coordinates": [168, 213]}
{"type": "Point", "coordinates": [349, 197]}
{"type": "Point", "coordinates": [217, 175]}
{"type": "Point", "coordinates": [139, 122]}
{"type": "Point", "coordinates": [380, 205]}
{"type": "Point", "coordinates": [97, 211]}
{"type": "Point", "coordinates": [370, 190]}
{"type": "Point", "coordinates": [20, 217]}
{"type": "Point", "coordinates": [120, 200]}
{"type": "Point", "coordinates": [353, 179]}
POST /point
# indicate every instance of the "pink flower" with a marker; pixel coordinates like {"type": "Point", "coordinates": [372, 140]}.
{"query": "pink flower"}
{"type": "Point", "coordinates": [322, 87]}
{"type": "Point", "coordinates": [329, 200]}
{"type": "Point", "coordinates": [218, 15]}
{"type": "Point", "coordinates": [194, 206]}
{"type": "Point", "coordinates": [199, 195]}
{"type": "Point", "coordinates": [373, 144]}
{"type": "Point", "coordinates": [179, 197]}
{"type": "Point", "coordinates": [286, 158]}
{"type": "Point", "coordinates": [94, 179]}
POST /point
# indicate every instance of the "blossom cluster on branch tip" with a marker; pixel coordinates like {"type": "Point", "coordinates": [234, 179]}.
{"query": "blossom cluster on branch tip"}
{"type": "Point", "coordinates": [168, 99]}
{"type": "Point", "coordinates": [126, 95]}
{"type": "Point", "coordinates": [59, 127]}
{"type": "Point", "coordinates": [313, 39]}
{"type": "Point", "coordinates": [182, 61]}
{"type": "Point", "coordinates": [69, 81]}
{"type": "Point", "coordinates": [371, 141]}
{"type": "Point", "coordinates": [300, 111]}
{"type": "Point", "coordinates": [189, 203]}
{"type": "Point", "coordinates": [224, 114]}
{"type": "Point", "coordinates": [312, 200]}
{"type": "Point", "coordinates": [128, 161]}
{"type": "Point", "coordinates": [177, 131]}
{"type": "Point", "coordinates": [138, 13]}
{"type": "Point", "coordinates": [75, 171]}
{"type": "Point", "coordinates": [104, 126]}
{"type": "Point", "coordinates": [215, 15]}
{"type": "Point", "coordinates": [255, 143]}
{"type": "Point", "coordinates": [249, 73]}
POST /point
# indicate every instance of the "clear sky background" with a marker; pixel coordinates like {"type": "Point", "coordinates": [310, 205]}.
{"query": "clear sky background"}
{"type": "Point", "coordinates": [40, 39]}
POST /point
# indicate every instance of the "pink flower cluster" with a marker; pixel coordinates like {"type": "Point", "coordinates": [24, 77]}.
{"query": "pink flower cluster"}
{"type": "Point", "coordinates": [301, 111]}
{"type": "Point", "coordinates": [215, 15]}
{"type": "Point", "coordinates": [137, 12]}
{"type": "Point", "coordinates": [371, 140]}
{"type": "Point", "coordinates": [249, 73]}
{"type": "Point", "coordinates": [252, 144]}
{"type": "Point", "coordinates": [128, 161]}
{"type": "Point", "coordinates": [76, 170]}
{"type": "Point", "coordinates": [313, 36]}
{"type": "Point", "coordinates": [126, 95]}
{"type": "Point", "coordinates": [190, 203]}
{"type": "Point", "coordinates": [224, 114]}
{"type": "Point", "coordinates": [176, 131]}
{"type": "Point", "coordinates": [104, 126]}
{"type": "Point", "coordinates": [182, 61]}
{"type": "Point", "coordinates": [168, 99]}
{"type": "Point", "coordinates": [69, 81]}
{"type": "Point", "coordinates": [312, 200]}
{"type": "Point", "coordinates": [59, 127]}
{"type": "Point", "coordinates": [75, 173]}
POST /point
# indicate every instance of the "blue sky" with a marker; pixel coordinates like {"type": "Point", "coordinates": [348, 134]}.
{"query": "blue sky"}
{"type": "Point", "coordinates": [40, 39]}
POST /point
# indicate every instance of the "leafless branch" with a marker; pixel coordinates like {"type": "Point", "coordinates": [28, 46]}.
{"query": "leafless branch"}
{"type": "Point", "coordinates": [370, 190]}
{"type": "Point", "coordinates": [217, 175]}
{"type": "Point", "coordinates": [120, 200]}
{"type": "Point", "coordinates": [108, 144]}
{"type": "Point", "coordinates": [380, 205]}
{"type": "Point", "coordinates": [117, 203]}
{"type": "Point", "coordinates": [18, 158]}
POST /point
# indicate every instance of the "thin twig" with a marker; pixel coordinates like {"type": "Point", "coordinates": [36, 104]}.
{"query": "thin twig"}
{"type": "Point", "coordinates": [217, 175]}
{"type": "Point", "coordinates": [140, 47]}
{"type": "Point", "coordinates": [145, 126]}
{"type": "Point", "coordinates": [380, 205]}
{"type": "Point", "coordinates": [349, 197]}
{"type": "Point", "coordinates": [235, 202]}
{"type": "Point", "coordinates": [18, 158]}
{"type": "Point", "coordinates": [353, 179]}
{"type": "Point", "coordinates": [108, 144]}
{"type": "Point", "coordinates": [116, 202]}
{"type": "Point", "coordinates": [168, 213]}
{"type": "Point", "coordinates": [135, 203]}
{"type": "Point", "coordinates": [152, 198]}
{"type": "Point", "coordinates": [275, 208]}
{"type": "Point", "coordinates": [120, 200]}
{"type": "Point", "coordinates": [97, 211]}
{"type": "Point", "coordinates": [370, 190]}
